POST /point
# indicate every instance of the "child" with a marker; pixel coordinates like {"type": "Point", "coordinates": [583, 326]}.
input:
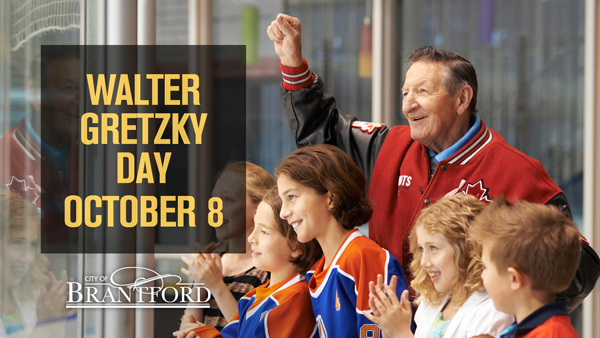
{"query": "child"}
{"type": "Point", "coordinates": [323, 193]}
{"type": "Point", "coordinates": [447, 277]}
{"type": "Point", "coordinates": [241, 186]}
{"type": "Point", "coordinates": [280, 308]}
{"type": "Point", "coordinates": [27, 307]}
{"type": "Point", "coordinates": [530, 254]}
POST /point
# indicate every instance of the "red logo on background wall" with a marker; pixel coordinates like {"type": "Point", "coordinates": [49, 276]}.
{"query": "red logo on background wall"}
{"type": "Point", "coordinates": [367, 127]}
{"type": "Point", "coordinates": [478, 190]}
{"type": "Point", "coordinates": [20, 186]}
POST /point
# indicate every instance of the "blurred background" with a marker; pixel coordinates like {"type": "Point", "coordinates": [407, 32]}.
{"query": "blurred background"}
{"type": "Point", "coordinates": [530, 58]}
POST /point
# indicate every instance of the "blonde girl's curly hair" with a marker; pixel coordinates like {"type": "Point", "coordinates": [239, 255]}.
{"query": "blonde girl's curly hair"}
{"type": "Point", "coordinates": [18, 213]}
{"type": "Point", "coordinates": [449, 217]}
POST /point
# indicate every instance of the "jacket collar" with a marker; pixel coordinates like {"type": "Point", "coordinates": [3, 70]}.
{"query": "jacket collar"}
{"type": "Point", "coordinates": [537, 318]}
{"type": "Point", "coordinates": [21, 137]}
{"type": "Point", "coordinates": [468, 151]}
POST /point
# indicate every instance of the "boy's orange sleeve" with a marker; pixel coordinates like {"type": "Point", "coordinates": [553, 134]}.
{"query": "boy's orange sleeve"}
{"type": "Point", "coordinates": [293, 317]}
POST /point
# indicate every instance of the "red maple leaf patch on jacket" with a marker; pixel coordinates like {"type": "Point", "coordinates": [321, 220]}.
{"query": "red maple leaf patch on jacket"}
{"type": "Point", "coordinates": [478, 190]}
{"type": "Point", "coordinates": [21, 187]}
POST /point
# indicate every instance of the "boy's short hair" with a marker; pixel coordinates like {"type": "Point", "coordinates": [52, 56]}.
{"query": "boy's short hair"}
{"type": "Point", "coordinates": [326, 168]}
{"type": "Point", "coordinates": [450, 217]}
{"type": "Point", "coordinates": [310, 251]}
{"type": "Point", "coordinates": [536, 240]}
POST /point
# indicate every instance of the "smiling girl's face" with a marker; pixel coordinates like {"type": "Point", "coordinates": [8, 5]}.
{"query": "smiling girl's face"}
{"type": "Point", "coordinates": [18, 254]}
{"type": "Point", "coordinates": [437, 258]}
{"type": "Point", "coordinates": [304, 209]}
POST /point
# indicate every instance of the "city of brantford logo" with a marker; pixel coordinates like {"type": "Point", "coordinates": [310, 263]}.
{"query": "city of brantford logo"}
{"type": "Point", "coordinates": [337, 301]}
{"type": "Point", "coordinates": [367, 127]}
{"type": "Point", "coordinates": [30, 192]}
{"type": "Point", "coordinates": [478, 190]}
{"type": "Point", "coordinates": [144, 292]}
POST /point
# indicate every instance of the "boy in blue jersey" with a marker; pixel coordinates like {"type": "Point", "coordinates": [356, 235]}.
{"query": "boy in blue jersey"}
{"type": "Point", "coordinates": [323, 194]}
{"type": "Point", "coordinates": [281, 307]}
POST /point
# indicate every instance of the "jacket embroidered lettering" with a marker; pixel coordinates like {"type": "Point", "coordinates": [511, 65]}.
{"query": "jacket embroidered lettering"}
{"type": "Point", "coordinates": [404, 182]}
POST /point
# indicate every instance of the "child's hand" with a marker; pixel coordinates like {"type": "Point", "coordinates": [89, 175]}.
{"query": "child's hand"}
{"type": "Point", "coordinates": [207, 269]}
{"type": "Point", "coordinates": [52, 301]}
{"type": "Point", "coordinates": [392, 316]}
{"type": "Point", "coordinates": [188, 323]}
{"type": "Point", "coordinates": [180, 334]}
{"type": "Point", "coordinates": [380, 283]}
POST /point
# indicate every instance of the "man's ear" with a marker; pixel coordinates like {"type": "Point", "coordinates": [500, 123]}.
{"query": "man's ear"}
{"type": "Point", "coordinates": [296, 253]}
{"type": "Point", "coordinates": [517, 279]}
{"type": "Point", "coordinates": [34, 95]}
{"type": "Point", "coordinates": [464, 97]}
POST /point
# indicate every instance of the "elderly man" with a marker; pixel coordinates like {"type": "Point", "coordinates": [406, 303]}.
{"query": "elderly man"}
{"type": "Point", "coordinates": [446, 149]}
{"type": "Point", "coordinates": [40, 154]}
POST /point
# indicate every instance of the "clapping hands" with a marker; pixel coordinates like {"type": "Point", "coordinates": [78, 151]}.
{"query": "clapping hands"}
{"type": "Point", "coordinates": [207, 269]}
{"type": "Point", "coordinates": [392, 315]}
{"type": "Point", "coordinates": [52, 301]}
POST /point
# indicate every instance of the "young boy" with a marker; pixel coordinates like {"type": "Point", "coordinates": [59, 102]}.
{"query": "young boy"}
{"type": "Point", "coordinates": [281, 308]}
{"type": "Point", "coordinates": [530, 254]}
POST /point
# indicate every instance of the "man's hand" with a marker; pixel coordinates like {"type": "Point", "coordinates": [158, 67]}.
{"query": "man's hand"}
{"type": "Point", "coordinates": [392, 316]}
{"type": "Point", "coordinates": [285, 33]}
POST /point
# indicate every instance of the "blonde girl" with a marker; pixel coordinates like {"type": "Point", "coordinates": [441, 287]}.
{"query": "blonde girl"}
{"type": "Point", "coordinates": [31, 303]}
{"type": "Point", "coordinates": [446, 266]}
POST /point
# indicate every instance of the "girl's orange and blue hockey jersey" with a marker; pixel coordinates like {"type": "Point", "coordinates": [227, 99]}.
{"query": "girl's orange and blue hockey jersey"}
{"type": "Point", "coordinates": [281, 310]}
{"type": "Point", "coordinates": [340, 292]}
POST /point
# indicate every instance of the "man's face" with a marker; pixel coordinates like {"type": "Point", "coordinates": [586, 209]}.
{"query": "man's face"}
{"type": "Point", "coordinates": [431, 112]}
{"type": "Point", "coordinates": [60, 101]}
